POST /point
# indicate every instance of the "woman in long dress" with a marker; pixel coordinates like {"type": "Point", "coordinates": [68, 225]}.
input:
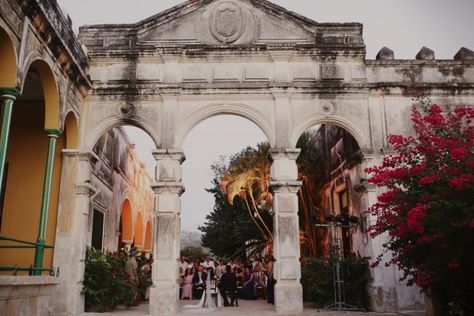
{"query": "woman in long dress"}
{"type": "Point", "coordinates": [248, 285]}
{"type": "Point", "coordinates": [187, 285]}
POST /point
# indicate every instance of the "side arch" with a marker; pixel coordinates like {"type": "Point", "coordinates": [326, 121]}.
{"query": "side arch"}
{"type": "Point", "coordinates": [71, 130]}
{"type": "Point", "coordinates": [215, 109]}
{"type": "Point", "coordinates": [50, 92]}
{"type": "Point", "coordinates": [148, 238]}
{"type": "Point", "coordinates": [127, 222]}
{"type": "Point", "coordinates": [8, 61]}
{"type": "Point", "coordinates": [139, 233]}
{"type": "Point", "coordinates": [114, 121]}
{"type": "Point", "coordinates": [362, 140]}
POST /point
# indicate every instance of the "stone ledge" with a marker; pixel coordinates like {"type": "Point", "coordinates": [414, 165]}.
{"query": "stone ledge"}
{"type": "Point", "coordinates": [11, 280]}
{"type": "Point", "coordinates": [17, 287]}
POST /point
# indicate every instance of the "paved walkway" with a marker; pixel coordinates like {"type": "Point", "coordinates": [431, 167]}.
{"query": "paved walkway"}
{"type": "Point", "coordinates": [246, 308]}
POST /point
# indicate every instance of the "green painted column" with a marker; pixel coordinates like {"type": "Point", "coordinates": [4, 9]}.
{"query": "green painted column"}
{"type": "Point", "coordinates": [8, 96]}
{"type": "Point", "coordinates": [53, 135]}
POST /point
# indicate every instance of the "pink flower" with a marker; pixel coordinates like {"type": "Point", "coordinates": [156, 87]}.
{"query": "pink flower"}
{"type": "Point", "coordinates": [428, 179]}
{"type": "Point", "coordinates": [415, 217]}
{"type": "Point", "coordinates": [458, 153]}
{"type": "Point", "coordinates": [459, 183]}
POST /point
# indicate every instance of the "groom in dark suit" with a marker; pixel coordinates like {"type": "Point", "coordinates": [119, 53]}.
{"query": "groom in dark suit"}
{"type": "Point", "coordinates": [228, 286]}
{"type": "Point", "coordinates": [199, 282]}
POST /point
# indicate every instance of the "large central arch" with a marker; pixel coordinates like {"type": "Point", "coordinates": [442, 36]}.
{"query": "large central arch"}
{"type": "Point", "coordinates": [213, 109]}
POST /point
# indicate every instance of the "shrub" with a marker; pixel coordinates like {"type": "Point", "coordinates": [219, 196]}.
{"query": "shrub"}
{"type": "Point", "coordinates": [427, 209]}
{"type": "Point", "coordinates": [318, 283]}
{"type": "Point", "coordinates": [105, 282]}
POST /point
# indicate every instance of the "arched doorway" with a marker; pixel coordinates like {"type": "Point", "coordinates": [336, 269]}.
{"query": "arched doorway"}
{"type": "Point", "coordinates": [332, 205]}
{"type": "Point", "coordinates": [126, 223]}
{"type": "Point", "coordinates": [148, 237]}
{"type": "Point", "coordinates": [230, 229]}
{"type": "Point", "coordinates": [31, 191]}
{"type": "Point", "coordinates": [122, 165]}
{"type": "Point", "coordinates": [139, 233]}
{"type": "Point", "coordinates": [225, 135]}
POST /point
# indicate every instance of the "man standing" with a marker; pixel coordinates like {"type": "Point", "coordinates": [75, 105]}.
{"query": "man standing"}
{"type": "Point", "coordinates": [131, 269]}
{"type": "Point", "coordinates": [228, 286]}
{"type": "Point", "coordinates": [199, 282]}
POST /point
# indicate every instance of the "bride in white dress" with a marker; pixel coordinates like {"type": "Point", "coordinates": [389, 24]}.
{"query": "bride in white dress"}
{"type": "Point", "coordinates": [208, 301]}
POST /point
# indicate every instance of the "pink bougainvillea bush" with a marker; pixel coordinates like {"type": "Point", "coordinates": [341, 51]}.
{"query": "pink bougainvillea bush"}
{"type": "Point", "coordinates": [427, 208]}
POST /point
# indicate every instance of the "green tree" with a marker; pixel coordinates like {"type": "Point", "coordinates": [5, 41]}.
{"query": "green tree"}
{"type": "Point", "coordinates": [231, 228]}
{"type": "Point", "coordinates": [193, 252]}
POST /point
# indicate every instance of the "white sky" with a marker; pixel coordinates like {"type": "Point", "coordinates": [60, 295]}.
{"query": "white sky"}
{"type": "Point", "coordinates": [402, 25]}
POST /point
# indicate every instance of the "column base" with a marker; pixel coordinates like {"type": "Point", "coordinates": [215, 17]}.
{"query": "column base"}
{"type": "Point", "coordinates": [164, 299]}
{"type": "Point", "coordinates": [289, 298]}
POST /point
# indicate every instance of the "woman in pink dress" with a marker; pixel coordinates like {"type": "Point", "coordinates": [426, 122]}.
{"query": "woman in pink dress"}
{"type": "Point", "coordinates": [187, 285]}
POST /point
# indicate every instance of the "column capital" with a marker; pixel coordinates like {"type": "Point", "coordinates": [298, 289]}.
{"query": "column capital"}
{"type": "Point", "coordinates": [70, 152]}
{"type": "Point", "coordinates": [285, 186]}
{"type": "Point", "coordinates": [168, 187]}
{"type": "Point", "coordinates": [53, 132]}
{"type": "Point", "coordinates": [87, 156]}
{"type": "Point", "coordinates": [284, 153]}
{"type": "Point", "coordinates": [172, 154]}
{"type": "Point", "coordinates": [86, 188]}
{"type": "Point", "coordinates": [9, 93]}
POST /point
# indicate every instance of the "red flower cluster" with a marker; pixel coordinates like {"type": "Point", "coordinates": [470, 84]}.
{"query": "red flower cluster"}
{"type": "Point", "coordinates": [428, 184]}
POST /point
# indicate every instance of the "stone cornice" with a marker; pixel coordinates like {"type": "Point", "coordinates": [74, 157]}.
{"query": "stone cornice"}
{"type": "Point", "coordinates": [285, 186]}
{"type": "Point", "coordinates": [173, 154]}
{"type": "Point", "coordinates": [168, 188]}
{"type": "Point", "coordinates": [56, 31]}
{"type": "Point", "coordinates": [86, 189]}
{"type": "Point", "coordinates": [284, 153]}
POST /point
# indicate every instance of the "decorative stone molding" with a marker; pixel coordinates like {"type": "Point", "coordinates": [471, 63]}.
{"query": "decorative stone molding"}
{"type": "Point", "coordinates": [284, 153]}
{"type": "Point", "coordinates": [86, 189]}
{"type": "Point", "coordinates": [168, 188]}
{"type": "Point", "coordinates": [328, 107]}
{"type": "Point", "coordinates": [385, 54]}
{"type": "Point", "coordinates": [227, 22]}
{"type": "Point", "coordinates": [285, 186]}
{"type": "Point", "coordinates": [425, 54]}
{"type": "Point", "coordinates": [464, 54]}
{"type": "Point", "coordinates": [173, 154]}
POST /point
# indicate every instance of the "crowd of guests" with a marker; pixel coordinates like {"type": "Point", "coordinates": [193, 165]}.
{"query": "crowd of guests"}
{"type": "Point", "coordinates": [249, 279]}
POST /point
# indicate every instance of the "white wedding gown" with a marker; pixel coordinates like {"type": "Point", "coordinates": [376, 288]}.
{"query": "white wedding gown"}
{"type": "Point", "coordinates": [207, 302]}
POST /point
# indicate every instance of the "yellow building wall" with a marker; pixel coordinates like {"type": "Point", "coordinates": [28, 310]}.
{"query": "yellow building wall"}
{"type": "Point", "coordinates": [27, 158]}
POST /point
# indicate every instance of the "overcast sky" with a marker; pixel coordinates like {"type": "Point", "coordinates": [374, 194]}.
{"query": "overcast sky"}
{"type": "Point", "coordinates": [402, 25]}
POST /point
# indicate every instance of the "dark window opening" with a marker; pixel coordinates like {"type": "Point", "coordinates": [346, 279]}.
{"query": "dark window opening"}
{"type": "Point", "coordinates": [97, 229]}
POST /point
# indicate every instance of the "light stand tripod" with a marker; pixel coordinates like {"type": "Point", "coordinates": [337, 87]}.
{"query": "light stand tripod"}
{"type": "Point", "coordinates": [336, 223]}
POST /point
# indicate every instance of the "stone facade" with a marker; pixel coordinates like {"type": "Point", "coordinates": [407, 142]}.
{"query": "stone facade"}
{"type": "Point", "coordinates": [249, 58]}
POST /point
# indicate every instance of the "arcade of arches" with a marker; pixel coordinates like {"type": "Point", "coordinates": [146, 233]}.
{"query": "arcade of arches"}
{"type": "Point", "coordinates": [63, 110]}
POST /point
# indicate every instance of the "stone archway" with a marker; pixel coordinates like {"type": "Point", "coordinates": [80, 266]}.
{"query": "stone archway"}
{"type": "Point", "coordinates": [31, 191]}
{"type": "Point", "coordinates": [50, 93]}
{"type": "Point", "coordinates": [8, 61]}
{"type": "Point", "coordinates": [148, 245]}
{"type": "Point", "coordinates": [139, 231]}
{"type": "Point", "coordinates": [127, 222]}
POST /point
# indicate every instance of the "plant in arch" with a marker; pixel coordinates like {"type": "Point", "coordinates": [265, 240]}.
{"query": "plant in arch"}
{"type": "Point", "coordinates": [427, 209]}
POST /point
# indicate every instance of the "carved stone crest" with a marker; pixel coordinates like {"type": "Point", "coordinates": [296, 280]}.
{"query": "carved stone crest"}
{"type": "Point", "coordinates": [227, 22]}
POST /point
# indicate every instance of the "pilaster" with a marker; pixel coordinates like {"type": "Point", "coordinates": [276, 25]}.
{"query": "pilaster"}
{"type": "Point", "coordinates": [164, 293]}
{"type": "Point", "coordinates": [283, 119]}
{"type": "Point", "coordinates": [71, 234]}
{"type": "Point", "coordinates": [286, 247]}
